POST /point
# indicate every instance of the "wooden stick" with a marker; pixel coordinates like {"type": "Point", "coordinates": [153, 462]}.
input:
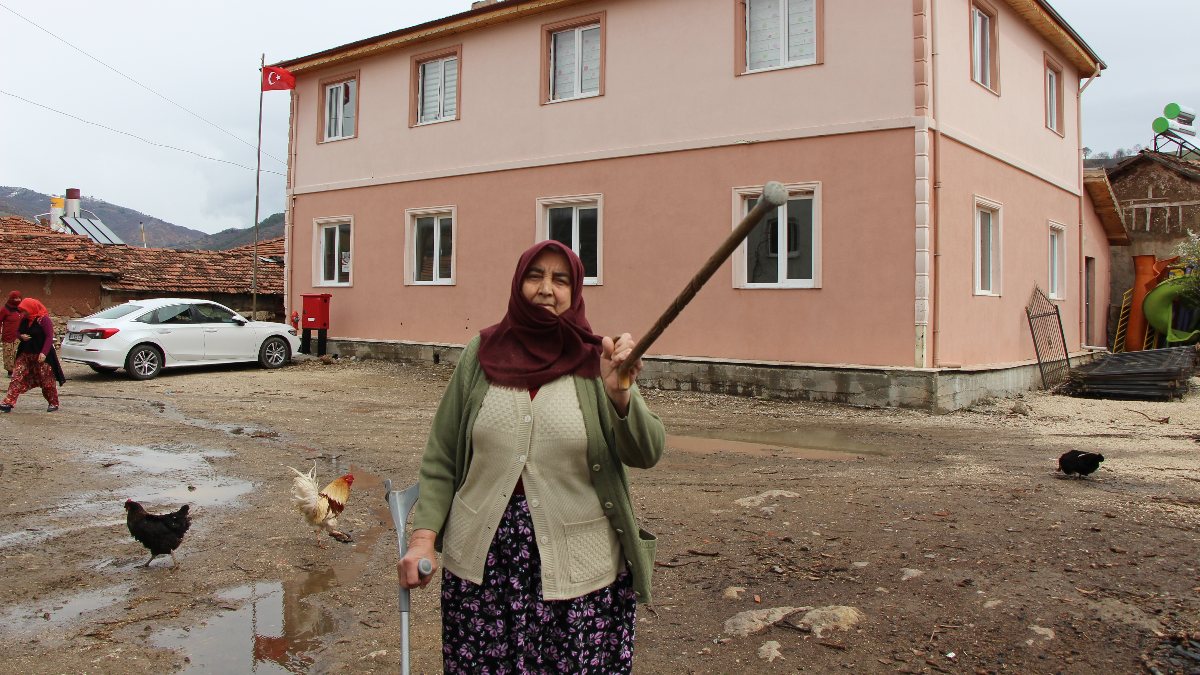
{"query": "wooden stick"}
{"type": "Point", "coordinates": [774, 195]}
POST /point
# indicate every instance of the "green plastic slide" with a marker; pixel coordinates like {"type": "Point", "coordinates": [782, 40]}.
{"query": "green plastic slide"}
{"type": "Point", "coordinates": [1159, 310]}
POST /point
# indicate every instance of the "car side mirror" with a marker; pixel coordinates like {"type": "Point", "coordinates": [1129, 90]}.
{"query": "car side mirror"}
{"type": "Point", "coordinates": [239, 321]}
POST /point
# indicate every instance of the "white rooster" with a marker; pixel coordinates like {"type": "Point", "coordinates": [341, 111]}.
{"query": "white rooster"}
{"type": "Point", "coordinates": [321, 508]}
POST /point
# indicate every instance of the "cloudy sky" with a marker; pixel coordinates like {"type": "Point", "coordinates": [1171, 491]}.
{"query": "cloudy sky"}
{"type": "Point", "coordinates": [204, 56]}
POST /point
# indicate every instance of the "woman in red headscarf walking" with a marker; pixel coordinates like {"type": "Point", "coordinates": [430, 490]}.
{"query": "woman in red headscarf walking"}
{"type": "Point", "coordinates": [524, 489]}
{"type": "Point", "coordinates": [10, 321]}
{"type": "Point", "coordinates": [37, 362]}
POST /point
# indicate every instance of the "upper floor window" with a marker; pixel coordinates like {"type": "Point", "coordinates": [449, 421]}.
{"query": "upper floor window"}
{"type": "Point", "coordinates": [436, 86]}
{"type": "Point", "coordinates": [987, 247]}
{"type": "Point", "coordinates": [781, 33]}
{"type": "Point", "coordinates": [783, 249]}
{"type": "Point", "coordinates": [574, 58]}
{"type": "Point", "coordinates": [575, 222]}
{"type": "Point", "coordinates": [1057, 259]}
{"type": "Point", "coordinates": [430, 240]}
{"type": "Point", "coordinates": [333, 251]}
{"type": "Point", "coordinates": [1054, 96]}
{"type": "Point", "coordinates": [984, 66]}
{"type": "Point", "coordinates": [339, 108]}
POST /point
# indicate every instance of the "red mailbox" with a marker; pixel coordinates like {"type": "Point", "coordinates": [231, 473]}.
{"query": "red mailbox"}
{"type": "Point", "coordinates": [316, 311]}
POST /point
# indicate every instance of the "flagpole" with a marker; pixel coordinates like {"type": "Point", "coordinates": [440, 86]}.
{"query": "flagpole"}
{"type": "Point", "coordinates": [257, 183]}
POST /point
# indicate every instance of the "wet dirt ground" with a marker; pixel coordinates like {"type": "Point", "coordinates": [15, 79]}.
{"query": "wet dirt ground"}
{"type": "Point", "coordinates": [953, 540]}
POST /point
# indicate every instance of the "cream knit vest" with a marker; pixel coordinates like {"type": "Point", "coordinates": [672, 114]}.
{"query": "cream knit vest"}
{"type": "Point", "coordinates": [544, 443]}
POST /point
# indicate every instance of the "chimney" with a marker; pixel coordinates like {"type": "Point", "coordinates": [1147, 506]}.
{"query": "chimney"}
{"type": "Point", "coordinates": [72, 206]}
{"type": "Point", "coordinates": [56, 213]}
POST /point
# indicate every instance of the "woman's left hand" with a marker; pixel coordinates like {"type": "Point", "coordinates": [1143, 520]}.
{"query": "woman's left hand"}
{"type": "Point", "coordinates": [41, 358]}
{"type": "Point", "coordinates": [611, 357]}
{"type": "Point", "coordinates": [23, 337]}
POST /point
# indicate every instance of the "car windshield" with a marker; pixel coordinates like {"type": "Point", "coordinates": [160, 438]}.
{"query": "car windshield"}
{"type": "Point", "coordinates": [116, 312]}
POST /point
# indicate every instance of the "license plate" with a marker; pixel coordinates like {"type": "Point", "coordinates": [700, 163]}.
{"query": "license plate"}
{"type": "Point", "coordinates": [74, 337]}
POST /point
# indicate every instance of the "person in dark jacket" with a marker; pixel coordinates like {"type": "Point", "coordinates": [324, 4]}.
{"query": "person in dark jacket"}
{"type": "Point", "coordinates": [10, 321]}
{"type": "Point", "coordinates": [37, 362]}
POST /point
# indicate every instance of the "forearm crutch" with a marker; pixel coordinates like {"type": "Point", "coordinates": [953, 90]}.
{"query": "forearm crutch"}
{"type": "Point", "coordinates": [400, 503]}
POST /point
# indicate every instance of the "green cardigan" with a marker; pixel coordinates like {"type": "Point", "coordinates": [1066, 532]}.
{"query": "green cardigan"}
{"type": "Point", "coordinates": [613, 442]}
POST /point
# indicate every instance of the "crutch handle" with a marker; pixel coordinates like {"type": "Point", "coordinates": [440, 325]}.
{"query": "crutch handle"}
{"type": "Point", "coordinates": [424, 567]}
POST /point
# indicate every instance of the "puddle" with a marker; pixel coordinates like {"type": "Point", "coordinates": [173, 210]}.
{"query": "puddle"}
{"type": "Point", "coordinates": [172, 476]}
{"type": "Point", "coordinates": [273, 629]}
{"type": "Point", "coordinates": [278, 627]}
{"type": "Point", "coordinates": [33, 617]}
{"type": "Point", "coordinates": [172, 413]}
{"type": "Point", "coordinates": [806, 444]}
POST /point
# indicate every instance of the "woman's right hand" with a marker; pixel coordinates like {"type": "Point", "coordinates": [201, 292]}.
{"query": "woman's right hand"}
{"type": "Point", "coordinates": [420, 546]}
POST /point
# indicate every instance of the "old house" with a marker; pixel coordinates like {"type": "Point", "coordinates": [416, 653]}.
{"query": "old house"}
{"type": "Point", "coordinates": [1159, 197]}
{"type": "Point", "coordinates": [932, 161]}
{"type": "Point", "coordinates": [74, 276]}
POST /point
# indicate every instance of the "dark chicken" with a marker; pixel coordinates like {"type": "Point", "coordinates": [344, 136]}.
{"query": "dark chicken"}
{"type": "Point", "coordinates": [1080, 463]}
{"type": "Point", "coordinates": [161, 534]}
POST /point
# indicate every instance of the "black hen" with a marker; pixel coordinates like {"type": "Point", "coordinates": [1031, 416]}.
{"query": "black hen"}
{"type": "Point", "coordinates": [160, 534]}
{"type": "Point", "coordinates": [1078, 462]}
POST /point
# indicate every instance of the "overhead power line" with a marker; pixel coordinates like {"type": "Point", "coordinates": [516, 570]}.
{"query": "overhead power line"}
{"type": "Point", "coordinates": [126, 133]}
{"type": "Point", "coordinates": [177, 105]}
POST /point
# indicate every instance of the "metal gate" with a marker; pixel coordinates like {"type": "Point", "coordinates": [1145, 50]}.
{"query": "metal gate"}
{"type": "Point", "coordinates": [1045, 324]}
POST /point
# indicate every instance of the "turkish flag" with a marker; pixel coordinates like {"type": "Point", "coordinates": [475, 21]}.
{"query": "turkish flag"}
{"type": "Point", "coordinates": [277, 78]}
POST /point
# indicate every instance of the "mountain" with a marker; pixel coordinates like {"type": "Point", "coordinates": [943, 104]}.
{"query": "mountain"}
{"type": "Point", "coordinates": [126, 223]}
{"type": "Point", "coordinates": [269, 228]}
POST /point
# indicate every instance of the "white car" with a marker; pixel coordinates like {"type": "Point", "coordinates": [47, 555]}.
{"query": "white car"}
{"type": "Point", "coordinates": [145, 336]}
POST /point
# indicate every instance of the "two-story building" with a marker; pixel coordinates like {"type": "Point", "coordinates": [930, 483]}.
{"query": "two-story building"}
{"type": "Point", "coordinates": [931, 150]}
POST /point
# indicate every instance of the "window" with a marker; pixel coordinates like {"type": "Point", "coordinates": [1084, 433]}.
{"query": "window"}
{"type": "Point", "coordinates": [1058, 238]}
{"type": "Point", "coordinates": [209, 313]}
{"type": "Point", "coordinates": [1054, 96]}
{"type": "Point", "coordinates": [171, 314]}
{"type": "Point", "coordinates": [983, 45]}
{"type": "Point", "coordinates": [430, 240]}
{"type": "Point", "coordinates": [339, 107]}
{"type": "Point", "coordinates": [574, 221]}
{"type": "Point", "coordinates": [987, 247]}
{"type": "Point", "coordinates": [573, 65]}
{"type": "Point", "coordinates": [435, 77]}
{"type": "Point", "coordinates": [780, 33]}
{"type": "Point", "coordinates": [333, 250]}
{"type": "Point", "coordinates": [782, 251]}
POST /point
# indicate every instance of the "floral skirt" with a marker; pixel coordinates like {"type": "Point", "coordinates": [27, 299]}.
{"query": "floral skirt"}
{"type": "Point", "coordinates": [504, 626]}
{"type": "Point", "coordinates": [29, 374]}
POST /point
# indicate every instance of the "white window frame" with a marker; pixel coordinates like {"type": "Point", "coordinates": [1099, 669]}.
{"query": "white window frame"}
{"type": "Point", "coordinates": [441, 115]}
{"type": "Point", "coordinates": [544, 204]}
{"type": "Point", "coordinates": [1052, 111]}
{"type": "Point", "coordinates": [983, 51]}
{"type": "Point", "coordinates": [410, 245]}
{"type": "Point", "coordinates": [1057, 261]}
{"type": "Point", "coordinates": [785, 39]}
{"type": "Point", "coordinates": [319, 227]}
{"type": "Point", "coordinates": [333, 92]}
{"type": "Point", "coordinates": [579, 93]}
{"type": "Point", "coordinates": [997, 246]}
{"type": "Point", "coordinates": [740, 197]}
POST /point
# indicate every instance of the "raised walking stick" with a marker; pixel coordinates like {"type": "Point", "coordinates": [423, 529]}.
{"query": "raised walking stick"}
{"type": "Point", "coordinates": [400, 502]}
{"type": "Point", "coordinates": [774, 196]}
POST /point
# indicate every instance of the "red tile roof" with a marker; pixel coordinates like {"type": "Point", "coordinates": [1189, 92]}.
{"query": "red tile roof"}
{"type": "Point", "coordinates": [26, 247]}
{"type": "Point", "coordinates": [266, 247]}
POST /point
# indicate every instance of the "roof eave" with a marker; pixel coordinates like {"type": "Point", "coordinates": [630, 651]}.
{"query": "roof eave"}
{"type": "Point", "coordinates": [1054, 28]}
{"type": "Point", "coordinates": [1104, 201]}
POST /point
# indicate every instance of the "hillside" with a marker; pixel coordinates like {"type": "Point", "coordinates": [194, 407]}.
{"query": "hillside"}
{"type": "Point", "coordinates": [268, 228]}
{"type": "Point", "coordinates": [17, 201]}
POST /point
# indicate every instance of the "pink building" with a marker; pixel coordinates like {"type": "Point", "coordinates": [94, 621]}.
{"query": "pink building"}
{"type": "Point", "coordinates": [931, 150]}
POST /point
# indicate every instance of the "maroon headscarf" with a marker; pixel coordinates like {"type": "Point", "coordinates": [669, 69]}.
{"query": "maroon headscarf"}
{"type": "Point", "coordinates": [14, 299]}
{"type": "Point", "coordinates": [532, 346]}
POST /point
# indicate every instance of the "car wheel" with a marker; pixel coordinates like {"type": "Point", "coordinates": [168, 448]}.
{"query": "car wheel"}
{"type": "Point", "coordinates": [274, 352]}
{"type": "Point", "coordinates": [102, 369]}
{"type": "Point", "coordinates": [143, 362]}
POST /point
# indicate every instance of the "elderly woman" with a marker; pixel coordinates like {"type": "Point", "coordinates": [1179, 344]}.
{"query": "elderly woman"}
{"type": "Point", "coordinates": [37, 363]}
{"type": "Point", "coordinates": [524, 491]}
{"type": "Point", "coordinates": [10, 321]}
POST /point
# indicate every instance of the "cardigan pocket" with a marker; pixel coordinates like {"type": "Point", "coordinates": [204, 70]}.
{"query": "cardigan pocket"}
{"type": "Point", "coordinates": [648, 543]}
{"type": "Point", "coordinates": [589, 549]}
{"type": "Point", "coordinates": [461, 528]}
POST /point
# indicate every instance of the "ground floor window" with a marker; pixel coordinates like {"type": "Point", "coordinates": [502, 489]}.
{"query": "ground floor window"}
{"type": "Point", "coordinates": [333, 251]}
{"type": "Point", "coordinates": [1058, 238]}
{"type": "Point", "coordinates": [987, 247]}
{"type": "Point", "coordinates": [783, 249]}
{"type": "Point", "coordinates": [430, 242]}
{"type": "Point", "coordinates": [576, 222]}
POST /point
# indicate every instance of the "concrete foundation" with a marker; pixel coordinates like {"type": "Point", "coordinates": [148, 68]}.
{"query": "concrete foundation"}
{"type": "Point", "coordinates": [938, 390]}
